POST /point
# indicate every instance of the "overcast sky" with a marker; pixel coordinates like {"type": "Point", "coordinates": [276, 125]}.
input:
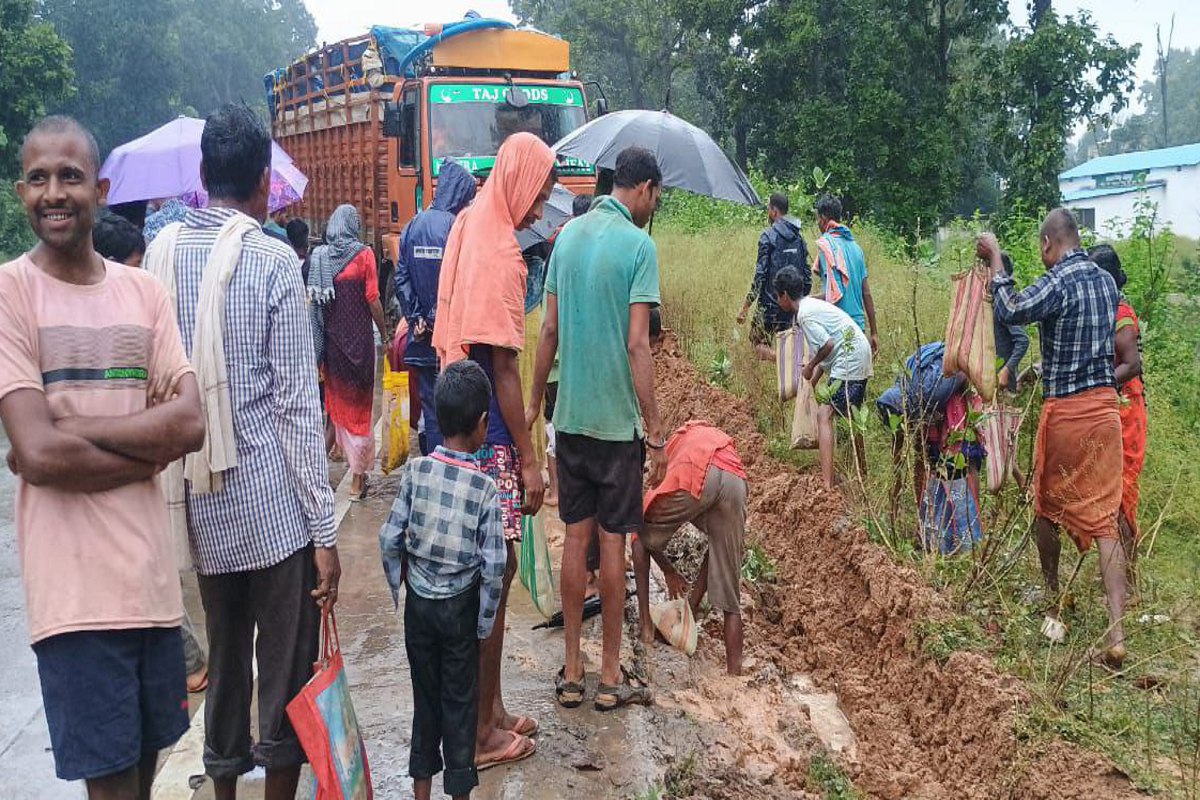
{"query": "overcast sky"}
{"type": "Point", "coordinates": [1129, 20]}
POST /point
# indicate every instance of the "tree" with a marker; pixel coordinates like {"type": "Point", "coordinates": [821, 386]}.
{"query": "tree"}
{"type": "Point", "coordinates": [1043, 80]}
{"type": "Point", "coordinates": [865, 89]}
{"type": "Point", "coordinates": [635, 49]}
{"type": "Point", "coordinates": [126, 58]}
{"type": "Point", "coordinates": [141, 64]}
{"type": "Point", "coordinates": [1179, 72]}
{"type": "Point", "coordinates": [34, 71]}
{"type": "Point", "coordinates": [229, 45]}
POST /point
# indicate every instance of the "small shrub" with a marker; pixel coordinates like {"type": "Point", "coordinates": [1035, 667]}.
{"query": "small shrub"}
{"type": "Point", "coordinates": [757, 566]}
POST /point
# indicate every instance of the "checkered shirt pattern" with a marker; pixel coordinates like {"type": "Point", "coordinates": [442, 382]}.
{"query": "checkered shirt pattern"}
{"type": "Point", "coordinates": [446, 521]}
{"type": "Point", "coordinates": [277, 499]}
{"type": "Point", "coordinates": [1075, 305]}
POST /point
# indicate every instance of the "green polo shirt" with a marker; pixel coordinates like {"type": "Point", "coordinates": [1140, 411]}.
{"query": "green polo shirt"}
{"type": "Point", "coordinates": [602, 263]}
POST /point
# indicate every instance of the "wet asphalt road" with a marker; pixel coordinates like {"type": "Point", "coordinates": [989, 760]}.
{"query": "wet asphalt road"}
{"type": "Point", "coordinates": [579, 752]}
{"type": "Point", "coordinates": [26, 765]}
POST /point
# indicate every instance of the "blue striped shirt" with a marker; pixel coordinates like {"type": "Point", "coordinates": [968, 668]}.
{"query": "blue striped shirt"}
{"type": "Point", "coordinates": [277, 499]}
{"type": "Point", "coordinates": [446, 522]}
{"type": "Point", "coordinates": [1074, 304]}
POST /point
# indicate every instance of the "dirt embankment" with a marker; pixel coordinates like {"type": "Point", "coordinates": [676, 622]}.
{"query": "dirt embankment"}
{"type": "Point", "coordinates": [843, 611]}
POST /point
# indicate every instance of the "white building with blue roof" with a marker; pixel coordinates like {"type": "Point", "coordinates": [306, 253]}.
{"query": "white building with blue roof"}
{"type": "Point", "coordinates": [1103, 191]}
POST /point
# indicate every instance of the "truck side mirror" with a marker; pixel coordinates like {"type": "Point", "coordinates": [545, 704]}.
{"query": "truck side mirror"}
{"type": "Point", "coordinates": [601, 106]}
{"type": "Point", "coordinates": [392, 120]}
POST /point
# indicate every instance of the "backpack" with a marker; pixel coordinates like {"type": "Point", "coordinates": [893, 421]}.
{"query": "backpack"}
{"type": "Point", "coordinates": [791, 254]}
{"type": "Point", "coordinates": [924, 389]}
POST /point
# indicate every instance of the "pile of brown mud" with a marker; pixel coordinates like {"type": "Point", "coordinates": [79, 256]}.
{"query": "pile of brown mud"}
{"type": "Point", "coordinates": [843, 611]}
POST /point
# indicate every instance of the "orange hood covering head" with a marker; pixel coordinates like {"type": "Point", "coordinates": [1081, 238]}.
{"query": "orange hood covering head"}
{"type": "Point", "coordinates": [481, 289]}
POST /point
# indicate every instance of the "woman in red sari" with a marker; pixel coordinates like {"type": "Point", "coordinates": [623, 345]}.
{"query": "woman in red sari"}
{"type": "Point", "coordinates": [344, 289]}
{"type": "Point", "coordinates": [1128, 363]}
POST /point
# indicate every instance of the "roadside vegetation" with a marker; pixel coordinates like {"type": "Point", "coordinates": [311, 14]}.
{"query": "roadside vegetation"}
{"type": "Point", "coordinates": [1147, 720]}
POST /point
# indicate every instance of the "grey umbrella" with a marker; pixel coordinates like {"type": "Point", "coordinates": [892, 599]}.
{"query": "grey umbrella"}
{"type": "Point", "coordinates": [556, 211]}
{"type": "Point", "coordinates": [688, 157]}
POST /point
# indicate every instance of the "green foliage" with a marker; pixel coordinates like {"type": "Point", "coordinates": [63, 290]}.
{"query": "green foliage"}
{"type": "Point", "coordinates": [1146, 130]}
{"type": "Point", "coordinates": [35, 70]}
{"type": "Point", "coordinates": [940, 638]}
{"type": "Point", "coordinates": [141, 64]}
{"type": "Point", "coordinates": [1040, 82]}
{"type": "Point", "coordinates": [15, 234]}
{"type": "Point", "coordinates": [828, 778]}
{"type": "Point", "coordinates": [757, 566]}
{"type": "Point", "coordinates": [637, 50]}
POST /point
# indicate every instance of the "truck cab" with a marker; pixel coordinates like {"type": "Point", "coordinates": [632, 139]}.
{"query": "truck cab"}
{"type": "Point", "coordinates": [371, 119]}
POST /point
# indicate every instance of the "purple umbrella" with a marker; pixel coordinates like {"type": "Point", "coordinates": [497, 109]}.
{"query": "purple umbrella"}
{"type": "Point", "coordinates": [166, 163]}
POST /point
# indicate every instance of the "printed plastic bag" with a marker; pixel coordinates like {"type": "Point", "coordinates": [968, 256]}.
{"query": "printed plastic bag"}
{"type": "Point", "coordinates": [804, 415]}
{"type": "Point", "coordinates": [327, 727]}
{"type": "Point", "coordinates": [395, 417]}
{"type": "Point", "coordinates": [949, 516]}
{"type": "Point", "coordinates": [999, 430]}
{"type": "Point", "coordinates": [675, 622]}
{"type": "Point", "coordinates": [536, 570]}
{"type": "Point", "coordinates": [970, 339]}
{"type": "Point", "coordinates": [789, 358]}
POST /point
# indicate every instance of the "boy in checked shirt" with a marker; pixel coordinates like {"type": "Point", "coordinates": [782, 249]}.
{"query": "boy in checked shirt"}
{"type": "Point", "coordinates": [444, 539]}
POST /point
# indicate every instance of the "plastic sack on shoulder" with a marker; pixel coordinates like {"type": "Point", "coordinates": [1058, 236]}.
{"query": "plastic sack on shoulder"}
{"type": "Point", "coordinates": [970, 338]}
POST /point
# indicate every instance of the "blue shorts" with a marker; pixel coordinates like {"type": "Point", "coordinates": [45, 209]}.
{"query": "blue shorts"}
{"type": "Point", "coordinates": [848, 394]}
{"type": "Point", "coordinates": [111, 697]}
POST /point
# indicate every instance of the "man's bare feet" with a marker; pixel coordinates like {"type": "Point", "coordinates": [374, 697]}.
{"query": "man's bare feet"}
{"type": "Point", "coordinates": [648, 632]}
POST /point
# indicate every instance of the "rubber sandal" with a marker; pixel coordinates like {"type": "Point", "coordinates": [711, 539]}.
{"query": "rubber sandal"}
{"type": "Point", "coordinates": [526, 726]}
{"type": "Point", "coordinates": [362, 494]}
{"type": "Point", "coordinates": [200, 685]}
{"type": "Point", "coordinates": [512, 754]}
{"type": "Point", "coordinates": [569, 693]}
{"type": "Point", "coordinates": [624, 693]}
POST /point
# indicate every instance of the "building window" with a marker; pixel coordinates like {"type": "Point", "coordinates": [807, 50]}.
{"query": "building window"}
{"type": "Point", "coordinates": [1086, 217]}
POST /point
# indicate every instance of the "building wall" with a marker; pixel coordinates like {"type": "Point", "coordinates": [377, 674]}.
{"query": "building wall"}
{"type": "Point", "coordinates": [1178, 202]}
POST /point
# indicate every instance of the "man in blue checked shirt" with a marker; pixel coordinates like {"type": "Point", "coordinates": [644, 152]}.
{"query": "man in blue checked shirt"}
{"type": "Point", "coordinates": [1078, 456]}
{"type": "Point", "coordinates": [444, 538]}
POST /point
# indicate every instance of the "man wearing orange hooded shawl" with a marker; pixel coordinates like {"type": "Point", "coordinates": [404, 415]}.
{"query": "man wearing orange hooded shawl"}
{"type": "Point", "coordinates": [481, 316]}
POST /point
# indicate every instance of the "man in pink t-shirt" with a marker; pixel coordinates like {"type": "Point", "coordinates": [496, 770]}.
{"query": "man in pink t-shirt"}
{"type": "Point", "coordinates": [96, 395]}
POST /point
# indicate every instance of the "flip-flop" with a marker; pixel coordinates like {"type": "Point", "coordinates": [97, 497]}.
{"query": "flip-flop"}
{"type": "Point", "coordinates": [199, 686]}
{"type": "Point", "coordinates": [362, 494]}
{"type": "Point", "coordinates": [526, 726]}
{"type": "Point", "coordinates": [511, 755]}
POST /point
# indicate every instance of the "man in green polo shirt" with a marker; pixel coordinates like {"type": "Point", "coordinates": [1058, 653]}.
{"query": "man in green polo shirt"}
{"type": "Point", "coordinates": [601, 286]}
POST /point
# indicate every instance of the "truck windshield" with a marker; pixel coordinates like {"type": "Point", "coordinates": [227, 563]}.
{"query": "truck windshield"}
{"type": "Point", "coordinates": [469, 121]}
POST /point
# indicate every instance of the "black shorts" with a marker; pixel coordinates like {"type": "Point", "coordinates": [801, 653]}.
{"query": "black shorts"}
{"type": "Point", "coordinates": [111, 697]}
{"type": "Point", "coordinates": [551, 400]}
{"type": "Point", "coordinates": [849, 394]}
{"type": "Point", "coordinates": [602, 480]}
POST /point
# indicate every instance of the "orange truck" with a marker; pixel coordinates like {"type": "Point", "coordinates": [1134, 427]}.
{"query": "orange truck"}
{"type": "Point", "coordinates": [369, 120]}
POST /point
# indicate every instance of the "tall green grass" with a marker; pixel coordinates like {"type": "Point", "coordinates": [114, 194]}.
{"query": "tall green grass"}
{"type": "Point", "coordinates": [1153, 733]}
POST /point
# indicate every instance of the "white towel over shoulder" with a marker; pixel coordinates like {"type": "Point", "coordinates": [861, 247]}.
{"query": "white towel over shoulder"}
{"type": "Point", "coordinates": [203, 468]}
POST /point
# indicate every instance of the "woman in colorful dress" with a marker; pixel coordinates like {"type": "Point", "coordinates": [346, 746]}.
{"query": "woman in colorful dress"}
{"type": "Point", "coordinates": [1128, 363]}
{"type": "Point", "coordinates": [343, 286]}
